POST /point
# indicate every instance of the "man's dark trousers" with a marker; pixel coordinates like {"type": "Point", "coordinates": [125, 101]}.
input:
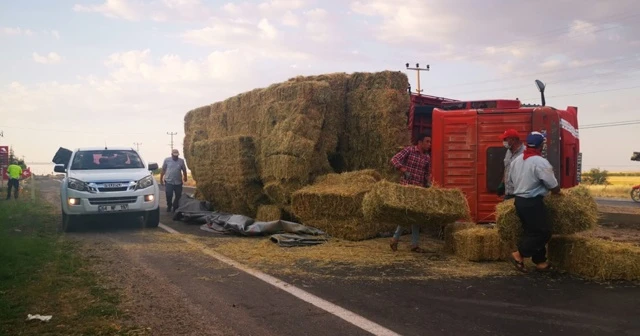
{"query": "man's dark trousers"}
{"type": "Point", "coordinates": [13, 184]}
{"type": "Point", "coordinates": [537, 229]}
{"type": "Point", "coordinates": [170, 189]}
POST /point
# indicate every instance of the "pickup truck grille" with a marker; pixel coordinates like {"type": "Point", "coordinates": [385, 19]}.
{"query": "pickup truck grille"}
{"type": "Point", "coordinates": [112, 200]}
{"type": "Point", "coordinates": [113, 189]}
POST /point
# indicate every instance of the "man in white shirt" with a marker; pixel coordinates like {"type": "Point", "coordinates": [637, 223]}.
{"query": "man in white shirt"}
{"type": "Point", "coordinates": [532, 177]}
{"type": "Point", "coordinates": [172, 168]}
{"type": "Point", "coordinates": [511, 141]}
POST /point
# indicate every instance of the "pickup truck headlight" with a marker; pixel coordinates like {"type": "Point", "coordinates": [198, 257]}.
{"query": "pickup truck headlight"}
{"type": "Point", "coordinates": [76, 184]}
{"type": "Point", "coordinates": [144, 182]}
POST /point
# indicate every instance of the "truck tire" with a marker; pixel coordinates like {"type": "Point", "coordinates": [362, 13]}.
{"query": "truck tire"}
{"type": "Point", "coordinates": [152, 219]}
{"type": "Point", "coordinates": [69, 223]}
{"type": "Point", "coordinates": [635, 195]}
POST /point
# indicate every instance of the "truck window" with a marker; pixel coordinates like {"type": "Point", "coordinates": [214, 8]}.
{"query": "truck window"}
{"type": "Point", "coordinates": [495, 167]}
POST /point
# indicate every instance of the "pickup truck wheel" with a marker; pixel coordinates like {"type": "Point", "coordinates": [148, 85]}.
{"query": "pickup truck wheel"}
{"type": "Point", "coordinates": [152, 218]}
{"type": "Point", "coordinates": [69, 223]}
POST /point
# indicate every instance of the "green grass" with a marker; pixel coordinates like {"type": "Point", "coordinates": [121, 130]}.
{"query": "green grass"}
{"type": "Point", "coordinates": [41, 272]}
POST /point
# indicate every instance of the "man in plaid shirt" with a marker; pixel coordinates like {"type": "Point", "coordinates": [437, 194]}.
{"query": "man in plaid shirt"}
{"type": "Point", "coordinates": [415, 164]}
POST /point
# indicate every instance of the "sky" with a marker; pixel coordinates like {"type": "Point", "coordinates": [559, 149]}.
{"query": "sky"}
{"type": "Point", "coordinates": [88, 72]}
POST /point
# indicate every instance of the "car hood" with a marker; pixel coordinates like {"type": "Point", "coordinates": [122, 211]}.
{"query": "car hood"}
{"type": "Point", "coordinates": [109, 175]}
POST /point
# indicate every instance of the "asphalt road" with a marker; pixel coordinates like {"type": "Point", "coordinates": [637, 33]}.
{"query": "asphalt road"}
{"type": "Point", "coordinates": [177, 288]}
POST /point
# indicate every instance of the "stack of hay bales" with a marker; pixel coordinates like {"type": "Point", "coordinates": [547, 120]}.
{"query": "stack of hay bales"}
{"type": "Point", "coordinates": [301, 129]}
{"type": "Point", "coordinates": [268, 213]}
{"type": "Point", "coordinates": [227, 173]}
{"type": "Point", "coordinates": [334, 204]}
{"type": "Point", "coordinates": [430, 208]}
{"type": "Point", "coordinates": [574, 211]}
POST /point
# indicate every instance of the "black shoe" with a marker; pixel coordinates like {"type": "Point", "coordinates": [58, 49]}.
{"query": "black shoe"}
{"type": "Point", "coordinates": [168, 209]}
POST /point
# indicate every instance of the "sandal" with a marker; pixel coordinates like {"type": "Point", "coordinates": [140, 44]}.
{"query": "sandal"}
{"type": "Point", "coordinates": [519, 265]}
{"type": "Point", "coordinates": [418, 250]}
{"type": "Point", "coordinates": [548, 268]}
{"type": "Point", "coordinates": [394, 245]}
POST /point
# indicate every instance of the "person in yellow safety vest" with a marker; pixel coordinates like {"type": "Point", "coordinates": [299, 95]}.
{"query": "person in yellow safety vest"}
{"type": "Point", "coordinates": [15, 172]}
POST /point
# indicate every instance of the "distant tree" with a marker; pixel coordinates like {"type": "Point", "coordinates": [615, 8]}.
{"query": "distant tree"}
{"type": "Point", "coordinates": [13, 158]}
{"type": "Point", "coordinates": [597, 177]}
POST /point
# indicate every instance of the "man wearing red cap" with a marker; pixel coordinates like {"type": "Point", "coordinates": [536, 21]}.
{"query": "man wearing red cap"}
{"type": "Point", "coordinates": [510, 140]}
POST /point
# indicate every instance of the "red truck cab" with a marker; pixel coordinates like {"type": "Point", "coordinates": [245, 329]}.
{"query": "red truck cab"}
{"type": "Point", "coordinates": [468, 154]}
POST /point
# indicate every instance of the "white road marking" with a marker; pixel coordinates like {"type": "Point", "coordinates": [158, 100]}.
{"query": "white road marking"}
{"type": "Point", "coordinates": [325, 305]}
{"type": "Point", "coordinates": [59, 181]}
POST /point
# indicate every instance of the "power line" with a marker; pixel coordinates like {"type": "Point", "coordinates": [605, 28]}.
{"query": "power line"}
{"type": "Point", "coordinates": [172, 134]}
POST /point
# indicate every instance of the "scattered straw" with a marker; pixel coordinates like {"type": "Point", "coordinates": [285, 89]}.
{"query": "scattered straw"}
{"type": "Point", "coordinates": [573, 211]}
{"type": "Point", "coordinates": [269, 213]}
{"type": "Point", "coordinates": [595, 258]}
{"type": "Point", "coordinates": [363, 260]}
{"type": "Point", "coordinates": [406, 205]}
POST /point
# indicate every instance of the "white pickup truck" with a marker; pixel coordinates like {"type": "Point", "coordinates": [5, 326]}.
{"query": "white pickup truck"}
{"type": "Point", "coordinates": [106, 182]}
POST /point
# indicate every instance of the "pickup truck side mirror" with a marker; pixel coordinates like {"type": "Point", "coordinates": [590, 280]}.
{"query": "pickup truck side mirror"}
{"type": "Point", "coordinates": [153, 166]}
{"type": "Point", "coordinates": [59, 168]}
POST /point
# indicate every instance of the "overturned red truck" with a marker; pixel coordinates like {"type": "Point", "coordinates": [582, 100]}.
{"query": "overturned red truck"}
{"type": "Point", "coordinates": [468, 154]}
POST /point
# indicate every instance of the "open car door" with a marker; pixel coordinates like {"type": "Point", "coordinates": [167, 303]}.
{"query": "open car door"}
{"type": "Point", "coordinates": [635, 156]}
{"type": "Point", "coordinates": [63, 156]}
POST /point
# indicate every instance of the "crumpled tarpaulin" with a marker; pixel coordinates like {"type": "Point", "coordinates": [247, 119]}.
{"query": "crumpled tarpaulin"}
{"type": "Point", "coordinates": [283, 233]}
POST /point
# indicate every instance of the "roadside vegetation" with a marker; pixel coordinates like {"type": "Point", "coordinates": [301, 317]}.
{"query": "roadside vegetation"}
{"type": "Point", "coordinates": [41, 272]}
{"type": "Point", "coordinates": [605, 184]}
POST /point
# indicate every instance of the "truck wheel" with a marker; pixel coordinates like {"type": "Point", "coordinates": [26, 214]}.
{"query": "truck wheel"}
{"type": "Point", "coordinates": [69, 223]}
{"type": "Point", "coordinates": [152, 219]}
{"type": "Point", "coordinates": [635, 195]}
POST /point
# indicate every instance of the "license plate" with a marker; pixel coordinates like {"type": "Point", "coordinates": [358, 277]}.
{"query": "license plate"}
{"type": "Point", "coordinates": [115, 207]}
{"type": "Point", "coordinates": [112, 185]}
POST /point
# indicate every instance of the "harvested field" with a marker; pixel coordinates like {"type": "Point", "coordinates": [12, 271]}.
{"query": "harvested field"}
{"type": "Point", "coordinates": [299, 132]}
{"type": "Point", "coordinates": [595, 258]}
{"type": "Point", "coordinates": [406, 205]}
{"type": "Point", "coordinates": [573, 211]}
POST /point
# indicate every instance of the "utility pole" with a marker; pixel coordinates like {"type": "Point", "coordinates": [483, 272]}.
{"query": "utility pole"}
{"type": "Point", "coordinates": [172, 134]}
{"type": "Point", "coordinates": [137, 146]}
{"type": "Point", "coordinates": [418, 69]}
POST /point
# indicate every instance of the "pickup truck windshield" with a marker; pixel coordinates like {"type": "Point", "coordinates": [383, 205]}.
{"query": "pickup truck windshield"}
{"type": "Point", "coordinates": [106, 159]}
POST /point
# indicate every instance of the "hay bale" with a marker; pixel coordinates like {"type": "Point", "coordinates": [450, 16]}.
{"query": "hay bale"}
{"type": "Point", "coordinates": [227, 174]}
{"type": "Point", "coordinates": [574, 211]}
{"type": "Point", "coordinates": [449, 230]}
{"type": "Point", "coordinates": [334, 196]}
{"type": "Point", "coordinates": [478, 244]}
{"type": "Point", "coordinates": [407, 205]}
{"type": "Point", "coordinates": [376, 122]}
{"type": "Point", "coordinates": [595, 258]}
{"type": "Point", "coordinates": [268, 213]}
{"type": "Point", "coordinates": [353, 228]}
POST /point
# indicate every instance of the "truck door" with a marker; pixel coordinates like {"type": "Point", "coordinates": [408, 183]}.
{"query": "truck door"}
{"type": "Point", "coordinates": [62, 156]}
{"type": "Point", "coordinates": [491, 153]}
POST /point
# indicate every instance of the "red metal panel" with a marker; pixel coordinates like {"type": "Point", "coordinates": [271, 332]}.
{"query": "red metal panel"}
{"type": "Point", "coordinates": [454, 152]}
{"type": "Point", "coordinates": [490, 127]}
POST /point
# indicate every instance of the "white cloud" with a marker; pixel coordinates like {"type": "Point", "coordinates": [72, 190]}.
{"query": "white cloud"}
{"type": "Point", "coordinates": [124, 9]}
{"type": "Point", "coordinates": [15, 31]}
{"type": "Point", "coordinates": [156, 10]}
{"type": "Point", "coordinates": [290, 19]}
{"type": "Point", "coordinates": [50, 58]}
{"type": "Point", "coordinates": [267, 30]}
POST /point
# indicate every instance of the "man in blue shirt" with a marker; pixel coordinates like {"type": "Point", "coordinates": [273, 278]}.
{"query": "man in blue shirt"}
{"type": "Point", "coordinates": [532, 178]}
